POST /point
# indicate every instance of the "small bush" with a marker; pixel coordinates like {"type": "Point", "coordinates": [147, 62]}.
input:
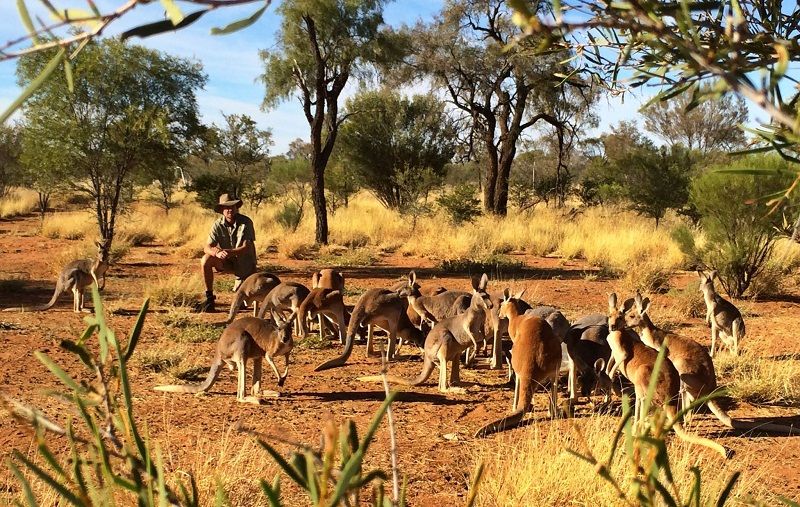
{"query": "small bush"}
{"type": "Point", "coordinates": [349, 258]}
{"type": "Point", "coordinates": [688, 302]}
{"type": "Point", "coordinates": [740, 235]}
{"type": "Point", "coordinates": [493, 265]}
{"type": "Point", "coordinates": [289, 216]}
{"type": "Point", "coordinates": [460, 205]}
{"type": "Point", "coordinates": [210, 186]}
{"type": "Point", "coordinates": [646, 275]}
{"type": "Point", "coordinates": [760, 380]}
{"type": "Point", "coordinates": [295, 246]}
{"type": "Point", "coordinates": [181, 290]}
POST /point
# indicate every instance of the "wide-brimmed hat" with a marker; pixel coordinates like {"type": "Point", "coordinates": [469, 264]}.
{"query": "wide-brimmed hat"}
{"type": "Point", "coordinates": [226, 201]}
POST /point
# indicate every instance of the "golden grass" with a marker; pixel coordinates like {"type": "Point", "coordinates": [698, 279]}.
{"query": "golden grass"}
{"type": "Point", "coordinates": [532, 463]}
{"type": "Point", "coordinates": [70, 225]}
{"type": "Point", "coordinates": [19, 201]}
{"type": "Point", "coordinates": [760, 380]}
{"type": "Point", "coordinates": [177, 289]}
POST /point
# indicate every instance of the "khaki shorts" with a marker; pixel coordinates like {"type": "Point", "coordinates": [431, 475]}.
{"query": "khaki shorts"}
{"type": "Point", "coordinates": [241, 267]}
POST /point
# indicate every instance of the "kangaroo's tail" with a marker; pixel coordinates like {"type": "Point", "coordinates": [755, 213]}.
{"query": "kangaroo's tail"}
{"type": "Point", "coordinates": [748, 425]}
{"type": "Point", "coordinates": [356, 318]}
{"type": "Point", "coordinates": [427, 368]}
{"type": "Point", "coordinates": [195, 388]}
{"type": "Point", "coordinates": [696, 439]}
{"type": "Point", "coordinates": [513, 419]}
{"type": "Point", "coordinates": [56, 294]}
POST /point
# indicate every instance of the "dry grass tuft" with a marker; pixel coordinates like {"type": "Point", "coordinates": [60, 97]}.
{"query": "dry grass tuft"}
{"type": "Point", "coordinates": [70, 225]}
{"type": "Point", "coordinates": [760, 380]}
{"type": "Point", "coordinates": [19, 201]}
{"type": "Point", "coordinates": [533, 464]}
{"type": "Point", "coordinates": [178, 290]}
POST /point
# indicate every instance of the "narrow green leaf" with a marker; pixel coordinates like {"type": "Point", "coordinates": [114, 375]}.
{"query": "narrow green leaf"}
{"type": "Point", "coordinates": [272, 495]}
{"type": "Point", "coordinates": [25, 16]}
{"type": "Point", "coordinates": [311, 479]}
{"type": "Point", "coordinates": [242, 23]}
{"type": "Point", "coordinates": [723, 497]}
{"type": "Point", "coordinates": [473, 488]}
{"type": "Point", "coordinates": [79, 351]}
{"type": "Point", "coordinates": [68, 75]}
{"type": "Point", "coordinates": [58, 372]}
{"type": "Point", "coordinates": [26, 486]}
{"type": "Point", "coordinates": [651, 388]}
{"type": "Point", "coordinates": [158, 27]}
{"type": "Point", "coordinates": [51, 460]}
{"type": "Point", "coordinates": [137, 330]}
{"type": "Point", "coordinates": [627, 413]}
{"type": "Point", "coordinates": [173, 11]}
{"type": "Point", "coordinates": [163, 498]}
{"type": "Point", "coordinates": [694, 497]}
{"type": "Point", "coordinates": [33, 86]}
{"type": "Point", "coordinates": [285, 466]}
{"type": "Point", "coordinates": [51, 481]}
{"type": "Point", "coordinates": [665, 494]}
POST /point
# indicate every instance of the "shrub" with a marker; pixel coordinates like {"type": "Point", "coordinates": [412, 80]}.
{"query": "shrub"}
{"type": "Point", "coordinates": [209, 186]}
{"type": "Point", "coordinates": [289, 216]}
{"type": "Point", "coordinates": [740, 236]}
{"type": "Point", "coordinates": [461, 205]}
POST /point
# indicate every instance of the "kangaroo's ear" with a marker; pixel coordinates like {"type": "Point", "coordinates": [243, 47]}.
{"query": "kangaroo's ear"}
{"type": "Point", "coordinates": [506, 294]}
{"type": "Point", "coordinates": [599, 365]}
{"type": "Point", "coordinates": [315, 280]}
{"type": "Point", "coordinates": [412, 278]}
{"type": "Point", "coordinates": [612, 301]}
{"type": "Point", "coordinates": [628, 304]}
{"type": "Point", "coordinates": [335, 293]}
{"type": "Point", "coordinates": [484, 282]}
{"type": "Point", "coordinates": [644, 306]}
{"type": "Point", "coordinates": [701, 275]}
{"type": "Point", "coordinates": [714, 274]}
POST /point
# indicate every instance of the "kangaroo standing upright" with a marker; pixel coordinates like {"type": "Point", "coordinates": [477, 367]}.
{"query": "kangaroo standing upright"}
{"type": "Point", "coordinates": [77, 276]}
{"type": "Point", "coordinates": [725, 319]}
{"type": "Point", "coordinates": [535, 358]}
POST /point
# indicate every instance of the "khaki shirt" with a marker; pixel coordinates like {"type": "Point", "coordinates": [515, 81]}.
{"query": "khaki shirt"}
{"type": "Point", "coordinates": [244, 264]}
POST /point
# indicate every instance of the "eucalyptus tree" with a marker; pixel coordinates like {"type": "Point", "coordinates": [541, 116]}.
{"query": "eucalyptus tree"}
{"type": "Point", "coordinates": [398, 146]}
{"type": "Point", "coordinates": [503, 88]}
{"type": "Point", "coordinates": [130, 109]}
{"type": "Point", "coordinates": [319, 46]}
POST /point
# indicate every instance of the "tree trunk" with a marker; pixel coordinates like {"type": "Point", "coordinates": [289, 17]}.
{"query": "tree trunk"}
{"type": "Point", "coordinates": [318, 197]}
{"type": "Point", "coordinates": [490, 179]}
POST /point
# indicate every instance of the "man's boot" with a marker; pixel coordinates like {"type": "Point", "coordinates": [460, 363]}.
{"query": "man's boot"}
{"type": "Point", "coordinates": [207, 306]}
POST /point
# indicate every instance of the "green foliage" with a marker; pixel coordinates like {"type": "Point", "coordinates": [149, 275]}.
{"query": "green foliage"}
{"type": "Point", "coordinates": [289, 216]}
{"type": "Point", "coordinates": [656, 180]}
{"type": "Point", "coordinates": [343, 452]}
{"type": "Point", "coordinates": [398, 146]}
{"type": "Point", "coordinates": [10, 148]}
{"type": "Point", "coordinates": [739, 235]}
{"type": "Point", "coordinates": [109, 456]}
{"type": "Point", "coordinates": [341, 184]}
{"type": "Point", "coordinates": [209, 186]}
{"type": "Point", "coordinates": [241, 150]}
{"type": "Point", "coordinates": [131, 110]}
{"type": "Point", "coordinates": [460, 204]}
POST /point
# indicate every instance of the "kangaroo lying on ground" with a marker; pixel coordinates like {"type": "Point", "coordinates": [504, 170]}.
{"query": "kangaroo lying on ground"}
{"type": "Point", "coordinates": [247, 338]}
{"type": "Point", "coordinates": [77, 276]}
{"type": "Point", "coordinates": [252, 291]}
{"type": "Point", "coordinates": [448, 339]}
{"type": "Point", "coordinates": [382, 307]}
{"type": "Point", "coordinates": [693, 363]}
{"type": "Point", "coordinates": [725, 319]}
{"type": "Point", "coordinates": [637, 362]}
{"type": "Point", "coordinates": [535, 358]}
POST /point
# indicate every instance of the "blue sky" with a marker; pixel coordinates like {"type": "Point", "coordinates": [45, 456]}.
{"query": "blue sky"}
{"type": "Point", "coordinates": [233, 65]}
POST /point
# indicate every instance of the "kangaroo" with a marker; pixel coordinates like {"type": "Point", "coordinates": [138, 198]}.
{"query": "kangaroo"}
{"type": "Point", "coordinates": [327, 279]}
{"type": "Point", "coordinates": [323, 302]}
{"type": "Point", "coordinates": [77, 276]}
{"type": "Point", "coordinates": [724, 318]}
{"type": "Point", "coordinates": [636, 361]}
{"type": "Point", "coordinates": [693, 363]}
{"type": "Point", "coordinates": [286, 296]}
{"type": "Point", "coordinates": [427, 290]}
{"type": "Point", "coordinates": [435, 308]}
{"type": "Point", "coordinates": [588, 351]}
{"type": "Point", "coordinates": [535, 357]}
{"type": "Point", "coordinates": [448, 339]}
{"type": "Point", "coordinates": [252, 290]}
{"type": "Point", "coordinates": [385, 308]}
{"type": "Point", "coordinates": [246, 338]}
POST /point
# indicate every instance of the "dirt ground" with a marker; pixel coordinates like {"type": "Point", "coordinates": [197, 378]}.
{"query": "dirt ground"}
{"type": "Point", "coordinates": [437, 467]}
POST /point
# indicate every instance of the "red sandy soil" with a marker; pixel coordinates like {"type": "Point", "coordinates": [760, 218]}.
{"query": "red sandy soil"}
{"type": "Point", "coordinates": [437, 468]}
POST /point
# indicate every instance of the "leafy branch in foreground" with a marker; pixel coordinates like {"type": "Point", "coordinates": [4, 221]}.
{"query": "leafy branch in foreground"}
{"type": "Point", "coordinates": [73, 28]}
